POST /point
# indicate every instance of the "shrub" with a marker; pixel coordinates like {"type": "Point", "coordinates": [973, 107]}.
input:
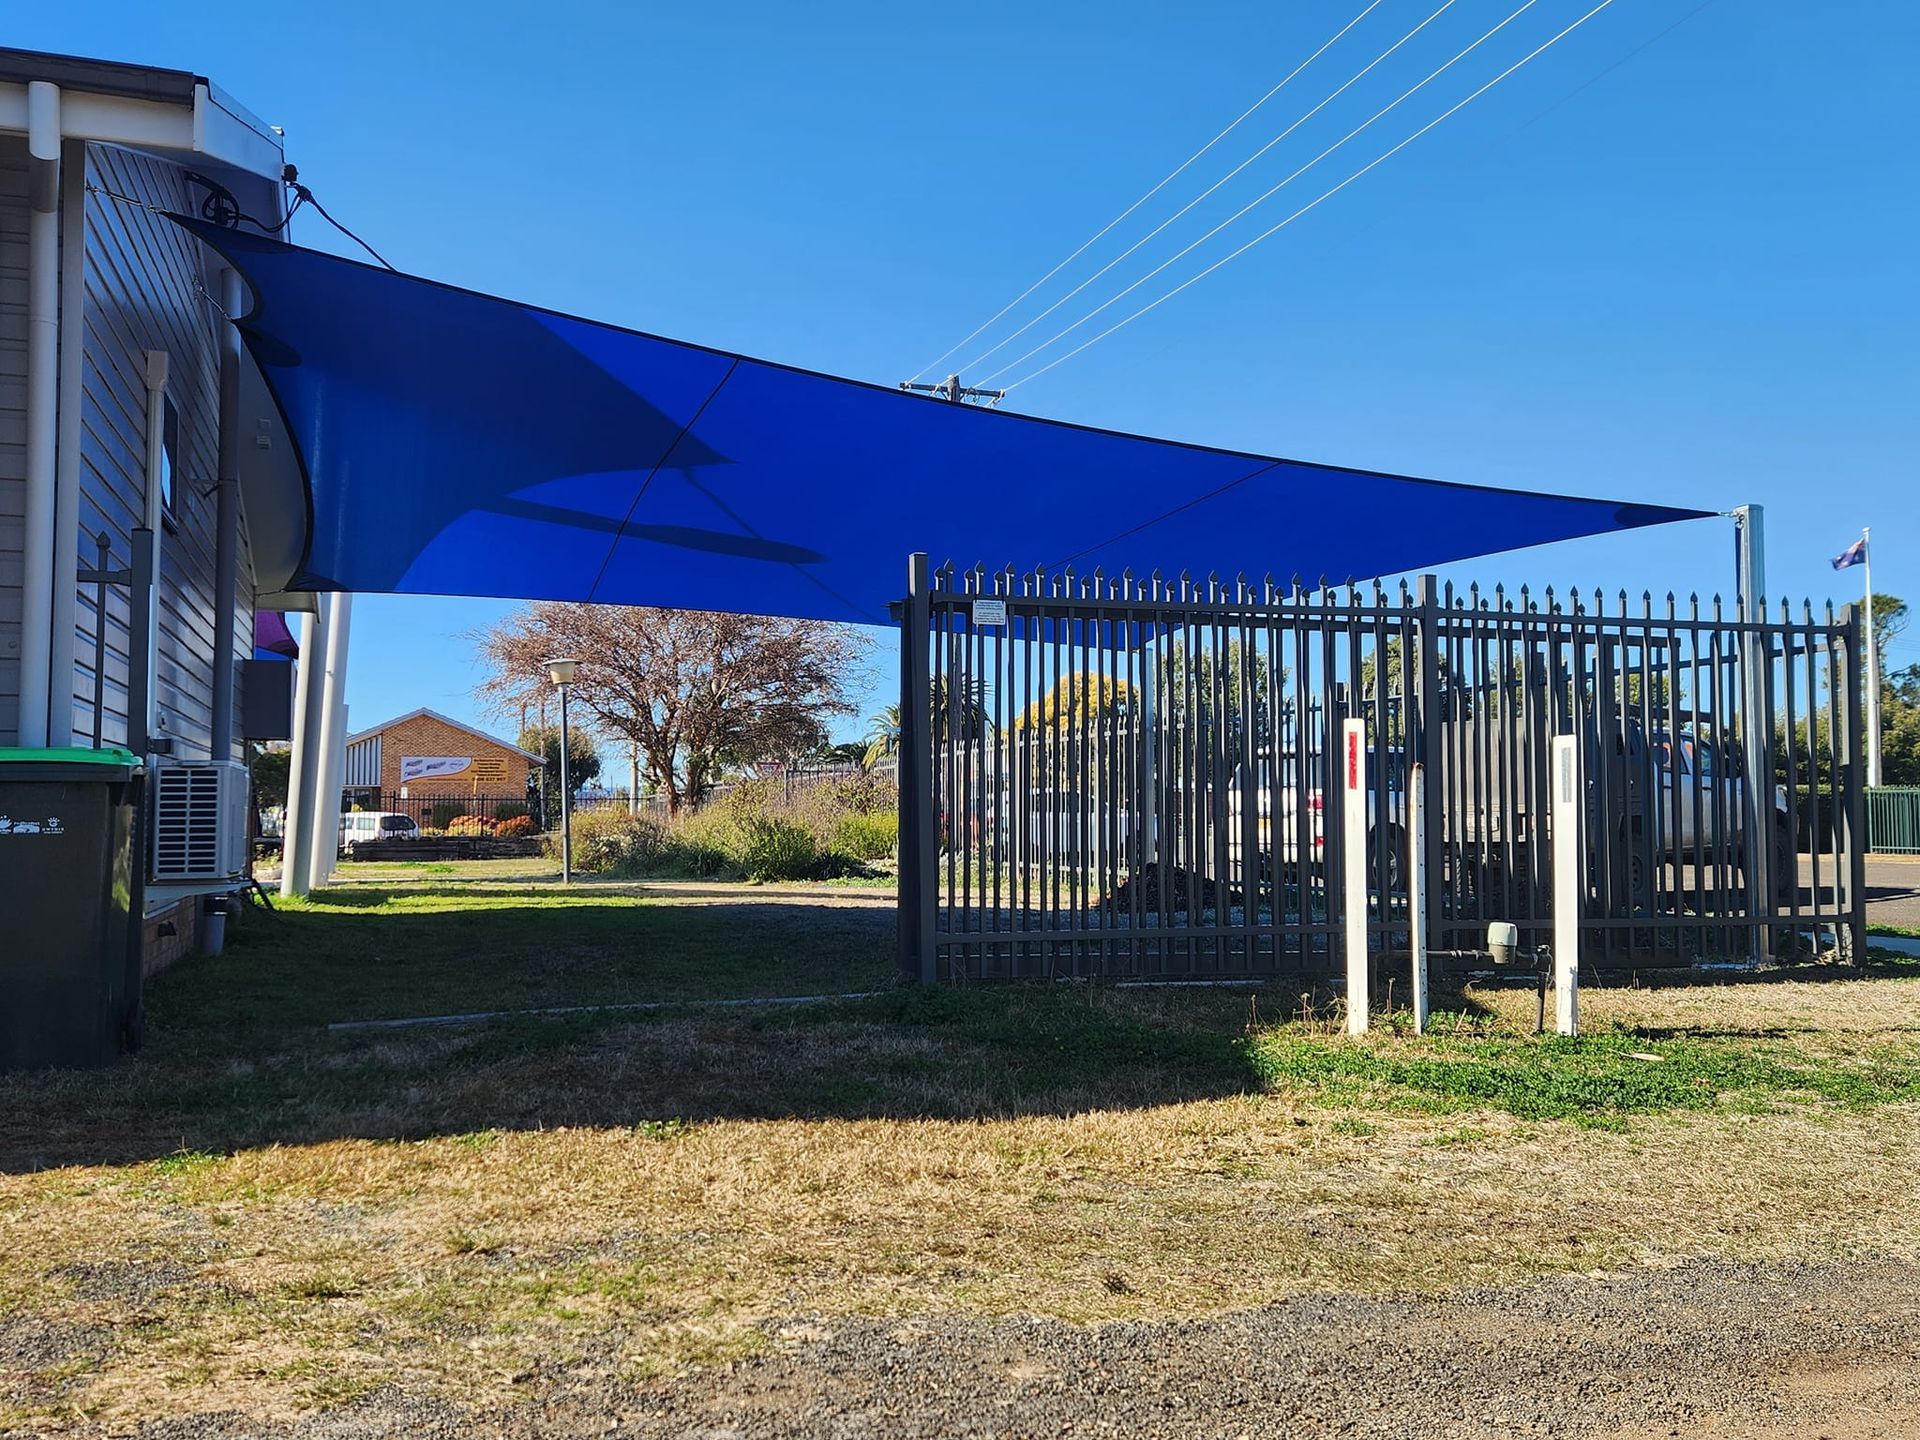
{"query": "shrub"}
{"type": "Point", "coordinates": [515, 827]}
{"type": "Point", "coordinates": [511, 810]}
{"type": "Point", "coordinates": [444, 813]}
{"type": "Point", "coordinates": [777, 849]}
{"type": "Point", "coordinates": [612, 842]}
{"type": "Point", "coordinates": [867, 836]}
{"type": "Point", "coordinates": [469, 825]}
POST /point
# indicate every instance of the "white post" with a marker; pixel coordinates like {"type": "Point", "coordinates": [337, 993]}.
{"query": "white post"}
{"type": "Point", "coordinates": [1353, 850]}
{"type": "Point", "coordinates": [1873, 673]}
{"type": "Point", "coordinates": [1417, 891]}
{"type": "Point", "coordinates": [303, 785]}
{"type": "Point", "coordinates": [324, 841]}
{"type": "Point", "coordinates": [1566, 884]}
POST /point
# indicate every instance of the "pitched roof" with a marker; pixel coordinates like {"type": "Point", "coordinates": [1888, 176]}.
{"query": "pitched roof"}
{"type": "Point", "coordinates": [444, 720]}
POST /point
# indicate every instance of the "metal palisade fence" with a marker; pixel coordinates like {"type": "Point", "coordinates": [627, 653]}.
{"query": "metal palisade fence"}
{"type": "Point", "coordinates": [1134, 778]}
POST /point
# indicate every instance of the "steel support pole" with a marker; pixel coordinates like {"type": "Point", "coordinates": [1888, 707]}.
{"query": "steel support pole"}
{"type": "Point", "coordinates": [323, 844]}
{"type": "Point", "coordinates": [917, 843]}
{"type": "Point", "coordinates": [1756, 724]}
{"type": "Point", "coordinates": [1873, 670]}
{"type": "Point", "coordinates": [303, 780]}
{"type": "Point", "coordinates": [566, 797]}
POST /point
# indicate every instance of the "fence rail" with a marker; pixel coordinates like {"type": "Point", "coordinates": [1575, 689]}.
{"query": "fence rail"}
{"type": "Point", "coordinates": [1127, 778]}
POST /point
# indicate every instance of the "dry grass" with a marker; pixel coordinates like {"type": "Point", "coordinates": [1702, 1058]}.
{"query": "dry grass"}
{"type": "Point", "coordinates": [290, 1277]}
{"type": "Point", "coordinates": [461, 1211]}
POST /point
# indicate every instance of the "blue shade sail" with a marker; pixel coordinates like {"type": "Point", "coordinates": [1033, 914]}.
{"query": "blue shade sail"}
{"type": "Point", "coordinates": [459, 444]}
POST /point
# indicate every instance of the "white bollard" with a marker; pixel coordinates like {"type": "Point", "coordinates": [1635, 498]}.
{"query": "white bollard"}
{"type": "Point", "coordinates": [1417, 891]}
{"type": "Point", "coordinates": [1353, 852]}
{"type": "Point", "coordinates": [1566, 885]}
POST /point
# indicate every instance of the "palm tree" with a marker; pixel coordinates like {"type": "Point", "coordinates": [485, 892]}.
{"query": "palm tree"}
{"type": "Point", "coordinates": [883, 734]}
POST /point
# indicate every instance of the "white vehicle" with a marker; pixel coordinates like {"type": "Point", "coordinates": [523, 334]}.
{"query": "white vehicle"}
{"type": "Point", "coordinates": [1284, 820]}
{"type": "Point", "coordinates": [359, 825]}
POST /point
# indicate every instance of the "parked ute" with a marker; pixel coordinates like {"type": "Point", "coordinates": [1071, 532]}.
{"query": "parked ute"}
{"type": "Point", "coordinates": [360, 825]}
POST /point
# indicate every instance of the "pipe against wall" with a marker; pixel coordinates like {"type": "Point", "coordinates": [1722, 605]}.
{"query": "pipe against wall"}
{"type": "Point", "coordinates": [43, 360]}
{"type": "Point", "coordinates": [226, 554]}
{"type": "Point", "coordinates": [67, 539]}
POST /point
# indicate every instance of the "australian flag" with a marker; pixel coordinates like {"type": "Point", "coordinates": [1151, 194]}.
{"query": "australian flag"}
{"type": "Point", "coordinates": [1854, 554]}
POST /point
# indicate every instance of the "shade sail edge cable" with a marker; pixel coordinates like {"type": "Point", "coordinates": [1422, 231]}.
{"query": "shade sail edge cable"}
{"type": "Point", "coordinates": [457, 443]}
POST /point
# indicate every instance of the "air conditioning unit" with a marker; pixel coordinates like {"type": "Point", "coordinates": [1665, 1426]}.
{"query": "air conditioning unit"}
{"type": "Point", "coordinates": [199, 821]}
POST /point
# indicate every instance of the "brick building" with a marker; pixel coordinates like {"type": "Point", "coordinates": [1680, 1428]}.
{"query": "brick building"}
{"type": "Point", "coordinates": [430, 756]}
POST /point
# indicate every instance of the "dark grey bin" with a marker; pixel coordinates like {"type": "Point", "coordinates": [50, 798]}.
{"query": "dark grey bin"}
{"type": "Point", "coordinates": [69, 955]}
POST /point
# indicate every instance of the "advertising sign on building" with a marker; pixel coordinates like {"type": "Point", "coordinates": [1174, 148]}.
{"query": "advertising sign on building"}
{"type": "Point", "coordinates": [432, 767]}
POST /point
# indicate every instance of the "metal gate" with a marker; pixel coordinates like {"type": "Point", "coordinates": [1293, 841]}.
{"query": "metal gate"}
{"type": "Point", "coordinates": [1129, 779]}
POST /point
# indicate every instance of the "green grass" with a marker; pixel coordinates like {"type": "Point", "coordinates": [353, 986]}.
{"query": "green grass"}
{"type": "Point", "coordinates": [1594, 1079]}
{"type": "Point", "coordinates": [396, 950]}
{"type": "Point", "coordinates": [239, 1053]}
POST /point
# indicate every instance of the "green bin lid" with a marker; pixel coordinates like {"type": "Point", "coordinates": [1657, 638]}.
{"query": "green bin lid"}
{"type": "Point", "coordinates": [19, 762]}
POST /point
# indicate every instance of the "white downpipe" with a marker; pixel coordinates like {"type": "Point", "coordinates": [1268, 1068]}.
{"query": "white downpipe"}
{"type": "Point", "coordinates": [67, 541]}
{"type": "Point", "coordinates": [149, 651]}
{"type": "Point", "coordinates": [43, 364]}
{"type": "Point", "coordinates": [1566, 885]}
{"type": "Point", "coordinates": [302, 782]}
{"type": "Point", "coordinates": [330, 753]}
{"type": "Point", "coordinates": [1353, 856]}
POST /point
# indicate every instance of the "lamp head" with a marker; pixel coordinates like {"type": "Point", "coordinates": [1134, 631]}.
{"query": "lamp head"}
{"type": "Point", "coordinates": [560, 672]}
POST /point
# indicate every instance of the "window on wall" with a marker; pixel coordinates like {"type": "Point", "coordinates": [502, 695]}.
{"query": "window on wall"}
{"type": "Point", "coordinates": [167, 479]}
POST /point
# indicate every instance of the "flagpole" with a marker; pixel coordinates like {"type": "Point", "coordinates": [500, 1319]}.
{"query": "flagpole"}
{"type": "Point", "coordinates": [1873, 669]}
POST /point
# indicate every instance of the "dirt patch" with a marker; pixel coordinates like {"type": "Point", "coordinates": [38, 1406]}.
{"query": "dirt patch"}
{"type": "Point", "coordinates": [1830, 1349]}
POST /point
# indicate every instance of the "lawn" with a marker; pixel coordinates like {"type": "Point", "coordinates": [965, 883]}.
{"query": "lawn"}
{"type": "Point", "coordinates": [261, 1212]}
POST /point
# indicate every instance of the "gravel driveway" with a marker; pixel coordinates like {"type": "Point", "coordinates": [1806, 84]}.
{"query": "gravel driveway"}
{"type": "Point", "coordinates": [1710, 1349]}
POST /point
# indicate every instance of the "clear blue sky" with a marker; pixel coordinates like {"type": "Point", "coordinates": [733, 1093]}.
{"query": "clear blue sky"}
{"type": "Point", "coordinates": [1684, 274]}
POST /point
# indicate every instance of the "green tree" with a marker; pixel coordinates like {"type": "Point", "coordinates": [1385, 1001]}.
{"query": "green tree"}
{"type": "Point", "coordinates": [883, 734]}
{"type": "Point", "coordinates": [271, 771]}
{"type": "Point", "coordinates": [583, 766]}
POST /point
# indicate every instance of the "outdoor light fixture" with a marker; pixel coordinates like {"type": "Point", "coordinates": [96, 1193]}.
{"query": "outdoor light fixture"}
{"type": "Point", "coordinates": [561, 673]}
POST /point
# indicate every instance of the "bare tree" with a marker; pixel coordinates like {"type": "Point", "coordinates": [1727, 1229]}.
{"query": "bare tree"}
{"type": "Point", "coordinates": [691, 690]}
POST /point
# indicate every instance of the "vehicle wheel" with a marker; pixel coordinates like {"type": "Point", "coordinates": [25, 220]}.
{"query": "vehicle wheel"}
{"type": "Point", "coordinates": [1396, 857]}
{"type": "Point", "coordinates": [1634, 879]}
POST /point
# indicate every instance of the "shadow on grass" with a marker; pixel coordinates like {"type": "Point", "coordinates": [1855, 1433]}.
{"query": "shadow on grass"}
{"type": "Point", "coordinates": [239, 1054]}
{"type": "Point", "coordinates": [903, 1054]}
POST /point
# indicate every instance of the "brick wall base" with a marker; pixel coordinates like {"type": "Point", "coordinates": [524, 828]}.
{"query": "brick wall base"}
{"type": "Point", "coordinates": [158, 951]}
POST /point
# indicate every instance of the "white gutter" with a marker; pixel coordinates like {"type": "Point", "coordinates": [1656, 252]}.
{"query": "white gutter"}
{"type": "Point", "coordinates": [43, 361]}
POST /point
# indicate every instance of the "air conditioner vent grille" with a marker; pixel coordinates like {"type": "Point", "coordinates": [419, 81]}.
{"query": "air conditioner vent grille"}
{"type": "Point", "coordinates": [199, 821]}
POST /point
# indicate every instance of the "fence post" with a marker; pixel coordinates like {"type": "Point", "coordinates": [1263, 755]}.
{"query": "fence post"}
{"type": "Point", "coordinates": [1756, 726]}
{"type": "Point", "coordinates": [1567, 884]}
{"type": "Point", "coordinates": [917, 844]}
{"type": "Point", "coordinates": [1427, 739]}
{"type": "Point", "coordinates": [1850, 808]}
{"type": "Point", "coordinates": [1353, 869]}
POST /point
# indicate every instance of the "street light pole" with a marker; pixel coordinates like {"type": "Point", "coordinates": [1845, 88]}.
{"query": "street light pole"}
{"type": "Point", "coordinates": [561, 673]}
